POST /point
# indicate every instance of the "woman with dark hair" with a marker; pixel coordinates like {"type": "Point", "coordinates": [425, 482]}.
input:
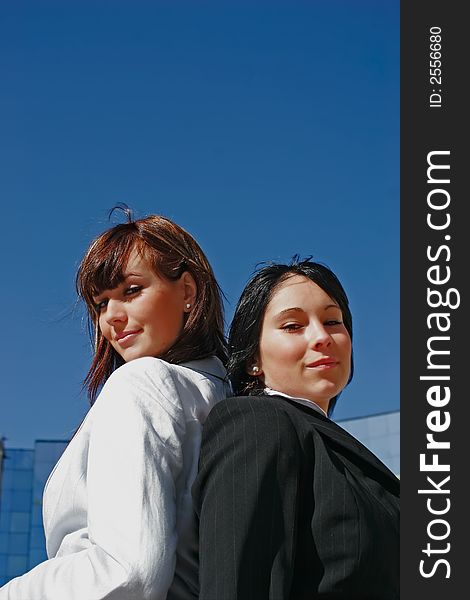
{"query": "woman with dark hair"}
{"type": "Point", "coordinates": [117, 507]}
{"type": "Point", "coordinates": [290, 505]}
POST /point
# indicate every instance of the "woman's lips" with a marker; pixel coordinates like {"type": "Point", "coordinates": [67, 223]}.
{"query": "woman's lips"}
{"type": "Point", "coordinates": [127, 337]}
{"type": "Point", "coordinates": [328, 363]}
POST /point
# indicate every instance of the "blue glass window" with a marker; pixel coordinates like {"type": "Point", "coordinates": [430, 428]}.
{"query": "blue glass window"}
{"type": "Point", "coordinates": [36, 515]}
{"type": "Point", "coordinates": [21, 501]}
{"type": "Point", "coordinates": [18, 543]}
{"type": "Point", "coordinates": [37, 539]}
{"type": "Point", "coordinates": [16, 565]}
{"type": "Point", "coordinates": [3, 568]}
{"type": "Point", "coordinates": [4, 520]}
{"type": "Point", "coordinates": [7, 479]}
{"type": "Point", "coordinates": [19, 522]}
{"type": "Point", "coordinates": [36, 556]}
{"type": "Point", "coordinates": [3, 542]}
{"type": "Point", "coordinates": [22, 459]}
{"type": "Point", "coordinates": [22, 480]}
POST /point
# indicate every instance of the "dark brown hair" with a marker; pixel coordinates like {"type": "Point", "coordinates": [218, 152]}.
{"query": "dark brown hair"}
{"type": "Point", "coordinates": [171, 251]}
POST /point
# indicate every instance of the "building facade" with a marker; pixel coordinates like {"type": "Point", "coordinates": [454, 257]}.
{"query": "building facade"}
{"type": "Point", "coordinates": [23, 475]}
{"type": "Point", "coordinates": [381, 434]}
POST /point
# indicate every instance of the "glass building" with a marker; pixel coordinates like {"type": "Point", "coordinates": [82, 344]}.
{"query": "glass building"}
{"type": "Point", "coordinates": [23, 474]}
{"type": "Point", "coordinates": [1, 464]}
{"type": "Point", "coordinates": [381, 434]}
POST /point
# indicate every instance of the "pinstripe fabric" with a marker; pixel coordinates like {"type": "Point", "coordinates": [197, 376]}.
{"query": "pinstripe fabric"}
{"type": "Point", "coordinates": [291, 506]}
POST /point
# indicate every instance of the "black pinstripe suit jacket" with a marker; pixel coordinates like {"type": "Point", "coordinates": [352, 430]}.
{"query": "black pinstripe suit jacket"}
{"type": "Point", "coordinates": [291, 506]}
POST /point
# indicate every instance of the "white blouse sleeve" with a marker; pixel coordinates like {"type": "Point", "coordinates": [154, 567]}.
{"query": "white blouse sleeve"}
{"type": "Point", "coordinates": [134, 459]}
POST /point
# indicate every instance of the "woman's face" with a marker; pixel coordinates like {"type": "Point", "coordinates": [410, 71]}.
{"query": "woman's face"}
{"type": "Point", "coordinates": [304, 349]}
{"type": "Point", "coordinates": [144, 315]}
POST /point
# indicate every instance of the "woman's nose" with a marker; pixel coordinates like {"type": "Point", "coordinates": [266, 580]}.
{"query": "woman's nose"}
{"type": "Point", "coordinates": [115, 312]}
{"type": "Point", "coordinates": [319, 336]}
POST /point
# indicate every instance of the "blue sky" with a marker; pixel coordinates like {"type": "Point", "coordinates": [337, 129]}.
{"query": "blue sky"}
{"type": "Point", "coordinates": [264, 128]}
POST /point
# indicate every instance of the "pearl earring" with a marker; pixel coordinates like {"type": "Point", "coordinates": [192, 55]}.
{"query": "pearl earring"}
{"type": "Point", "coordinates": [255, 370]}
{"type": "Point", "coordinates": [188, 306]}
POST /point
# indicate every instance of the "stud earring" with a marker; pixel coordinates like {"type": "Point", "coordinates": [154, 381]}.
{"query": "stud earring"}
{"type": "Point", "coordinates": [255, 369]}
{"type": "Point", "coordinates": [188, 306]}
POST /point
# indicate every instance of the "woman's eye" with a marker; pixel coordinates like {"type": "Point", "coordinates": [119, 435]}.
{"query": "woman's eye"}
{"type": "Point", "coordinates": [333, 322]}
{"type": "Point", "coordinates": [291, 326]}
{"type": "Point", "coordinates": [132, 290]}
{"type": "Point", "coordinates": [100, 305]}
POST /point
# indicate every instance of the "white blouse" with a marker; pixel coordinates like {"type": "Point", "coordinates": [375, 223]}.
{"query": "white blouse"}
{"type": "Point", "coordinates": [117, 507]}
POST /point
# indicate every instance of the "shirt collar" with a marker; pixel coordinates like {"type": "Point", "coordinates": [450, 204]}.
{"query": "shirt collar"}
{"type": "Point", "coordinates": [309, 403]}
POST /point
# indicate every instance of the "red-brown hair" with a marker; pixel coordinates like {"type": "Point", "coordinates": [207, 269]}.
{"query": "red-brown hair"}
{"type": "Point", "coordinates": [171, 251]}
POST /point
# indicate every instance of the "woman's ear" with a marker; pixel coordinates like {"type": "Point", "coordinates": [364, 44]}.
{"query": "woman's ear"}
{"type": "Point", "coordinates": [189, 291]}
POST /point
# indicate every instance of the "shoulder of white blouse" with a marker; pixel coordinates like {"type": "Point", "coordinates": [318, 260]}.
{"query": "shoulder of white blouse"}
{"type": "Point", "coordinates": [139, 384]}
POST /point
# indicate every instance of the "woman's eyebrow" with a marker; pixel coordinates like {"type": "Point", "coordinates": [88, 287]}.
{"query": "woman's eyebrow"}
{"type": "Point", "coordinates": [288, 310]}
{"type": "Point", "coordinates": [298, 309]}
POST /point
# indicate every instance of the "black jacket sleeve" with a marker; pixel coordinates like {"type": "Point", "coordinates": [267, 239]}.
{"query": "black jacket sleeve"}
{"type": "Point", "coordinates": [246, 496]}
